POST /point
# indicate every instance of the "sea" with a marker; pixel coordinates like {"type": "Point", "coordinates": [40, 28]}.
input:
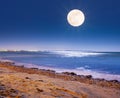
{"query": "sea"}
{"type": "Point", "coordinates": [105, 65]}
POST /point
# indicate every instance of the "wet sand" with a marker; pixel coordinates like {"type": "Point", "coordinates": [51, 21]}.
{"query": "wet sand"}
{"type": "Point", "coordinates": [21, 82]}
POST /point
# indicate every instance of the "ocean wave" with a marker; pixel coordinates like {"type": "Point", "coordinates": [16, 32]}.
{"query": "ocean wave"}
{"type": "Point", "coordinates": [76, 53]}
{"type": "Point", "coordinates": [6, 60]}
{"type": "Point", "coordinates": [95, 74]}
{"type": "Point", "coordinates": [78, 71]}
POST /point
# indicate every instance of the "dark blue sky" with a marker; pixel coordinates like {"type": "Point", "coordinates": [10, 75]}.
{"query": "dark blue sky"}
{"type": "Point", "coordinates": [42, 25]}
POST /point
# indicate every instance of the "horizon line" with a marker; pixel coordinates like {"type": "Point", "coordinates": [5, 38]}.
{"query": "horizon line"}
{"type": "Point", "coordinates": [20, 50]}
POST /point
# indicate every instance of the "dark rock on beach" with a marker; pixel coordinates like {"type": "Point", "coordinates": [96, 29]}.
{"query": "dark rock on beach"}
{"type": "Point", "coordinates": [69, 73]}
{"type": "Point", "coordinates": [88, 76]}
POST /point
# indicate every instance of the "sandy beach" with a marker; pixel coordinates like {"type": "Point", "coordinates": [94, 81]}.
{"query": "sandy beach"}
{"type": "Point", "coordinates": [21, 82]}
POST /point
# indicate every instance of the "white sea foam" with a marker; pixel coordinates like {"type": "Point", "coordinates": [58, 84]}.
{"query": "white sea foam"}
{"type": "Point", "coordinates": [83, 71]}
{"type": "Point", "coordinates": [95, 74]}
{"type": "Point", "coordinates": [78, 71]}
{"type": "Point", "coordinates": [6, 60]}
{"type": "Point", "coordinates": [76, 53]}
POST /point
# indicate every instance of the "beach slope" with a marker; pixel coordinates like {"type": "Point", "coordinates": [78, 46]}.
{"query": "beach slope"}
{"type": "Point", "coordinates": [20, 82]}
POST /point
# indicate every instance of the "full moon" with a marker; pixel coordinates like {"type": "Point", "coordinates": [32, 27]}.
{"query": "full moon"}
{"type": "Point", "coordinates": [75, 18]}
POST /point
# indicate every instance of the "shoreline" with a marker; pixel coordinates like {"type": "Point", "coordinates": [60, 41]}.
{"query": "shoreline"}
{"type": "Point", "coordinates": [81, 71]}
{"type": "Point", "coordinates": [69, 76]}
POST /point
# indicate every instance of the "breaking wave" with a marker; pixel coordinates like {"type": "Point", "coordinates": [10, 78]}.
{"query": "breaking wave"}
{"type": "Point", "coordinates": [83, 71]}
{"type": "Point", "coordinates": [78, 71]}
{"type": "Point", "coordinates": [76, 53]}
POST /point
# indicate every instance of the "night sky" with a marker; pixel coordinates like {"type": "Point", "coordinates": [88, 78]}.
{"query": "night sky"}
{"type": "Point", "coordinates": [42, 25]}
